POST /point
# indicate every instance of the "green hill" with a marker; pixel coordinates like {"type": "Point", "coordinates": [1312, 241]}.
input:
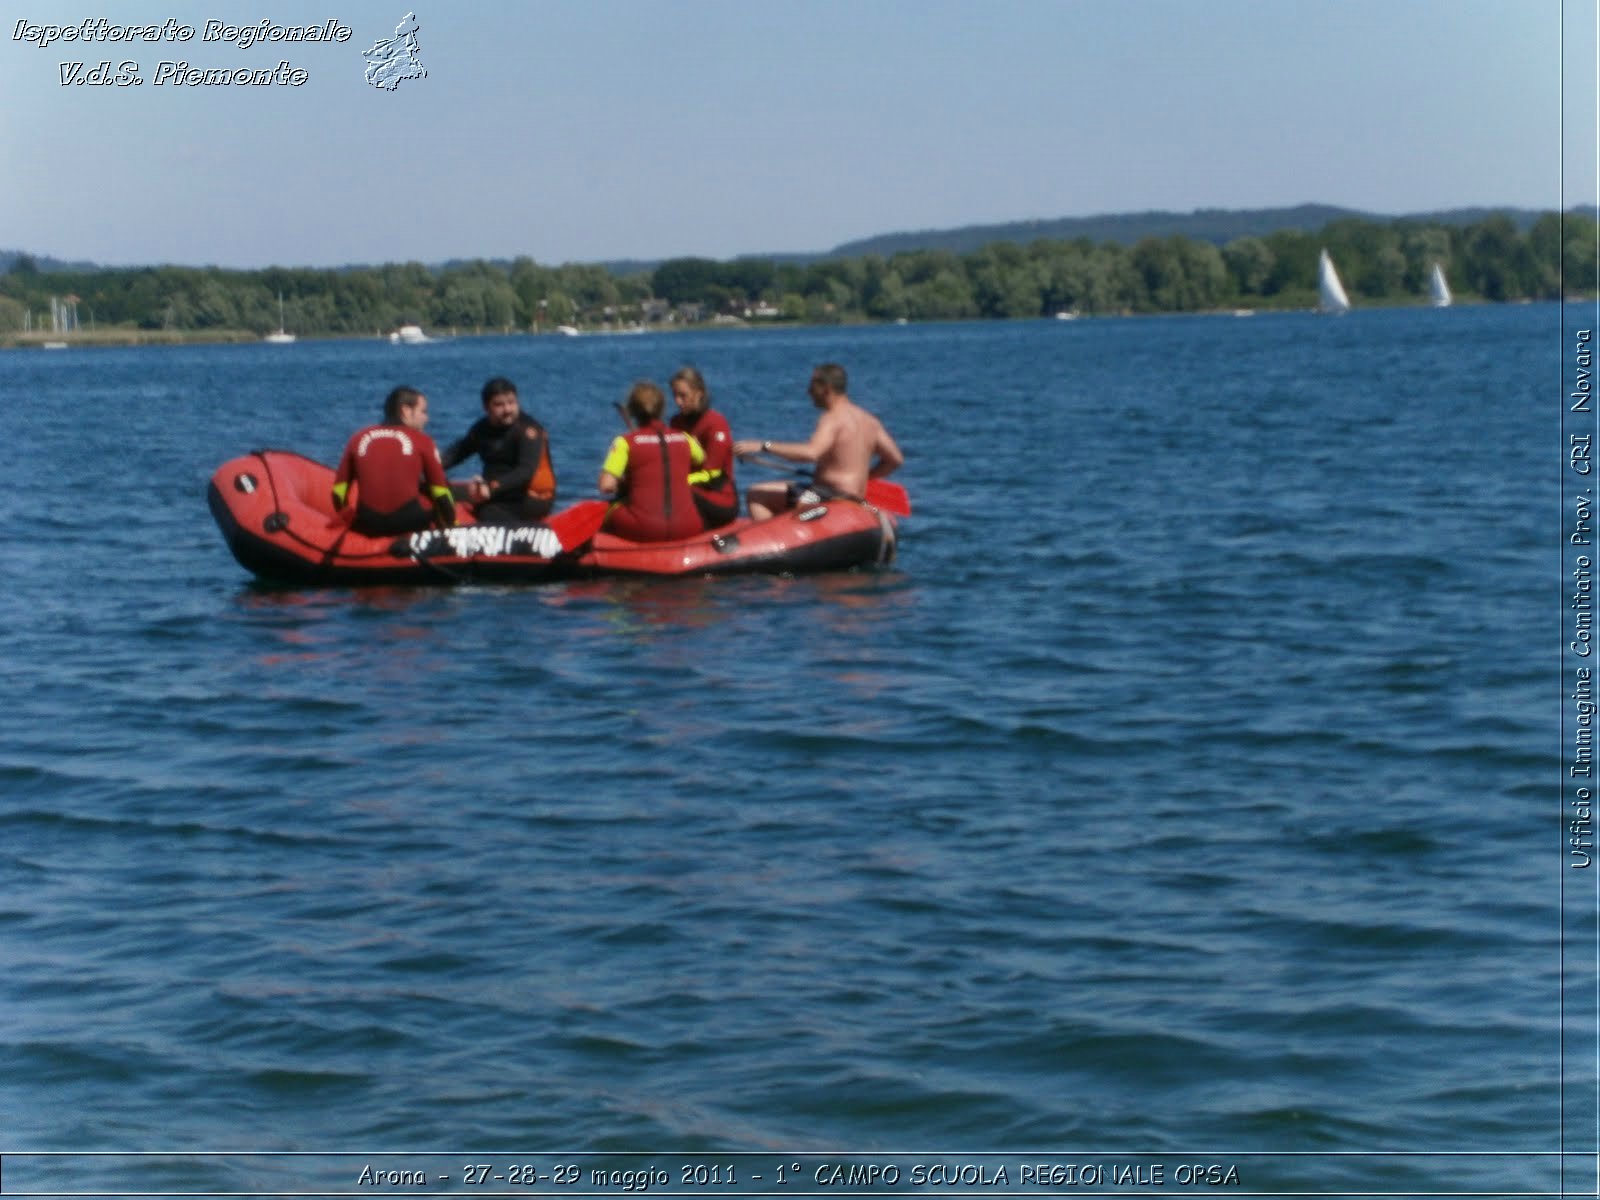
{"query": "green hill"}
{"type": "Point", "coordinates": [1218, 226]}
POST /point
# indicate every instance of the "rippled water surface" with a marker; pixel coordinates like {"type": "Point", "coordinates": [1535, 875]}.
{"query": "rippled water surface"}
{"type": "Point", "coordinates": [1186, 786]}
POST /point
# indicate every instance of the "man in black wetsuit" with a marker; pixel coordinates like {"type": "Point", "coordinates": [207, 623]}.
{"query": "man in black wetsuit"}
{"type": "Point", "coordinates": [518, 484]}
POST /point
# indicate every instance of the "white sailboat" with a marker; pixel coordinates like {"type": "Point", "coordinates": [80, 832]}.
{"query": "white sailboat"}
{"type": "Point", "coordinates": [281, 338]}
{"type": "Point", "coordinates": [1330, 290]}
{"type": "Point", "coordinates": [1438, 289]}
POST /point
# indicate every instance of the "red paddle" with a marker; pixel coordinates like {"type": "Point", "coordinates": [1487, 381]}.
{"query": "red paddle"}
{"type": "Point", "coordinates": [576, 524]}
{"type": "Point", "coordinates": [890, 497]}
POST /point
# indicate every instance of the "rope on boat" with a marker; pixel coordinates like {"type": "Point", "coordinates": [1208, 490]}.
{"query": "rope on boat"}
{"type": "Point", "coordinates": [886, 542]}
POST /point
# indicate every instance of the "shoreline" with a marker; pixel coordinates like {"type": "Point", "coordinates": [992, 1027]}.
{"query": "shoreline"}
{"type": "Point", "coordinates": [126, 337]}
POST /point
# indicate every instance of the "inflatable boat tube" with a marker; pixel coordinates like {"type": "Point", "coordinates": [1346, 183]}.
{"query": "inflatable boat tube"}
{"type": "Point", "coordinates": [275, 511]}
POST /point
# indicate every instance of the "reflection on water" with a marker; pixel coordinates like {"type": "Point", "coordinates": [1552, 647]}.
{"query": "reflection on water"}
{"type": "Point", "coordinates": [642, 607]}
{"type": "Point", "coordinates": [256, 596]}
{"type": "Point", "coordinates": [635, 607]}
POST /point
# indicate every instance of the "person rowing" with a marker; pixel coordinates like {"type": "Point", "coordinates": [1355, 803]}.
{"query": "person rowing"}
{"type": "Point", "coordinates": [848, 447]}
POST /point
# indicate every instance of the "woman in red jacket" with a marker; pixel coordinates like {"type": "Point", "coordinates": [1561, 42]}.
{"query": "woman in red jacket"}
{"type": "Point", "coordinates": [715, 494]}
{"type": "Point", "coordinates": [648, 471]}
{"type": "Point", "coordinates": [394, 470]}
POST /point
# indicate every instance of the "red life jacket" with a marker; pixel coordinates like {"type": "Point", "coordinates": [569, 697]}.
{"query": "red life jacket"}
{"type": "Point", "coordinates": [658, 505]}
{"type": "Point", "coordinates": [389, 465]}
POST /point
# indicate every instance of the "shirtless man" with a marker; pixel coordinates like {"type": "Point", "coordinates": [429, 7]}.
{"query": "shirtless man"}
{"type": "Point", "coordinates": [843, 445]}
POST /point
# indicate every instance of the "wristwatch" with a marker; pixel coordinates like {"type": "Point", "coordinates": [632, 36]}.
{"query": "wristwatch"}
{"type": "Point", "coordinates": [766, 447]}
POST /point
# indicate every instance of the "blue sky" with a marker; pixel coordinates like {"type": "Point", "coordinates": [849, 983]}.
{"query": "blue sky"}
{"type": "Point", "coordinates": [583, 130]}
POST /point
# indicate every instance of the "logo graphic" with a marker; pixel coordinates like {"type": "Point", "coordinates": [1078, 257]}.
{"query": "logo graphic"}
{"type": "Point", "coordinates": [392, 60]}
{"type": "Point", "coordinates": [483, 541]}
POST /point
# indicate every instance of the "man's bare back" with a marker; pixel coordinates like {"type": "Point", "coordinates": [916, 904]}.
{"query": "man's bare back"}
{"type": "Point", "coordinates": [853, 437]}
{"type": "Point", "coordinates": [846, 441]}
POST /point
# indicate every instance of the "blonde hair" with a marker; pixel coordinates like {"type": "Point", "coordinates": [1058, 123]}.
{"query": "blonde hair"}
{"type": "Point", "coordinates": [692, 376]}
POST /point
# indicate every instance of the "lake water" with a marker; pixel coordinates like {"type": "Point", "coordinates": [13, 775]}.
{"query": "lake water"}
{"type": "Point", "coordinates": [1188, 793]}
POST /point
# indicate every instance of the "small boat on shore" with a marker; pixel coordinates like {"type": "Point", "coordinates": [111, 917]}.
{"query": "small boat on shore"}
{"type": "Point", "coordinates": [275, 511]}
{"type": "Point", "coordinates": [409, 335]}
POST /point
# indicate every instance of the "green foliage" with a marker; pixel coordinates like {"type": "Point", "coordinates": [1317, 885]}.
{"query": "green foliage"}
{"type": "Point", "coordinates": [1575, 246]}
{"type": "Point", "coordinates": [1380, 262]}
{"type": "Point", "coordinates": [689, 281]}
{"type": "Point", "coordinates": [1249, 261]}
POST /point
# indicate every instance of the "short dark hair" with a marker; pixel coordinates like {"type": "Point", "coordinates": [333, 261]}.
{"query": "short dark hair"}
{"type": "Point", "coordinates": [400, 398]}
{"type": "Point", "coordinates": [833, 377]}
{"type": "Point", "coordinates": [498, 386]}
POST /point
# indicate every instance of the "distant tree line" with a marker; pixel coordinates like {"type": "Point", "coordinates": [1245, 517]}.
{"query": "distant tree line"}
{"type": "Point", "coordinates": [1380, 263]}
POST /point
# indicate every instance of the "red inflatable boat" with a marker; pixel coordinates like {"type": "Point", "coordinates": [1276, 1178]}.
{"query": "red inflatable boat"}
{"type": "Point", "coordinates": [276, 513]}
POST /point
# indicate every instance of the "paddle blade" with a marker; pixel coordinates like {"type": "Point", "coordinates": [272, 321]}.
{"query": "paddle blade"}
{"type": "Point", "coordinates": [574, 526]}
{"type": "Point", "coordinates": [890, 497]}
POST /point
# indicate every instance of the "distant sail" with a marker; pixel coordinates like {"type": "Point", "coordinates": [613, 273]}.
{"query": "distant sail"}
{"type": "Point", "coordinates": [283, 337]}
{"type": "Point", "coordinates": [1438, 289]}
{"type": "Point", "coordinates": [1332, 291]}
